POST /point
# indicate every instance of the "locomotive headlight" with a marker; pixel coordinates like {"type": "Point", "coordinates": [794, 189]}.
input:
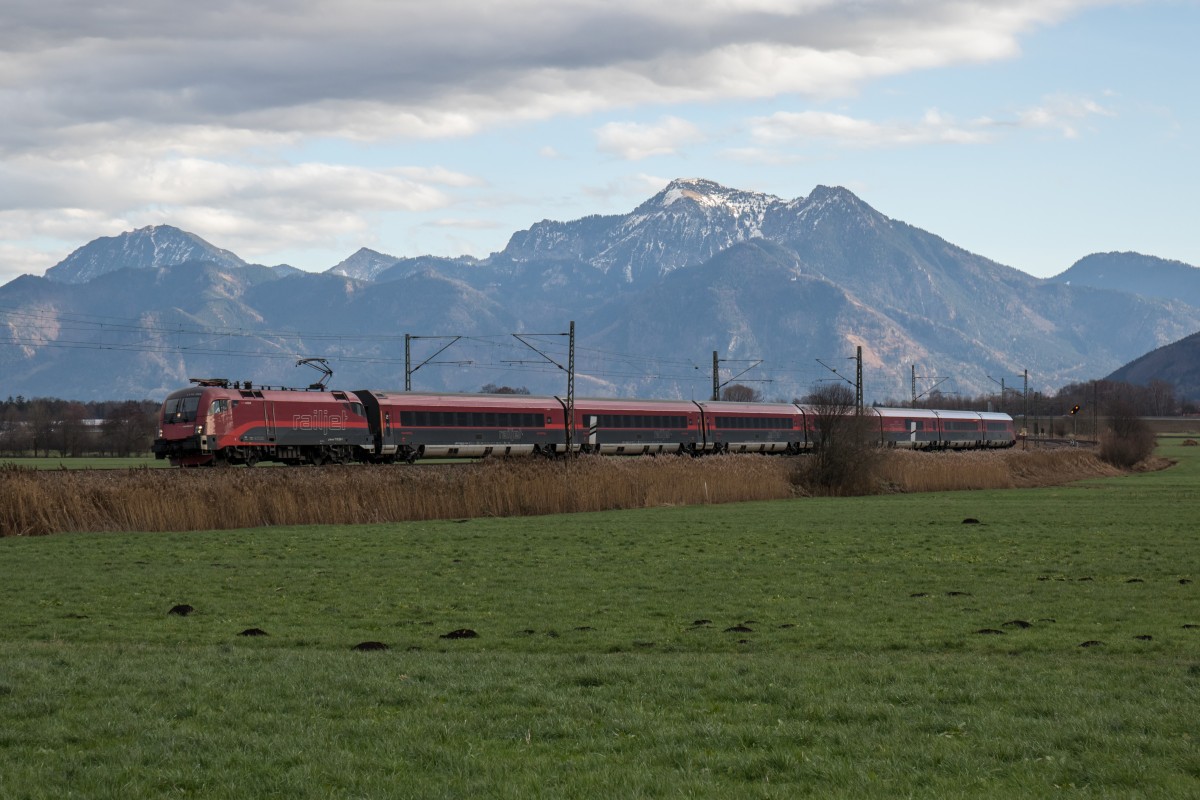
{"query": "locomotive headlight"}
{"type": "Point", "coordinates": [160, 433]}
{"type": "Point", "coordinates": [199, 429]}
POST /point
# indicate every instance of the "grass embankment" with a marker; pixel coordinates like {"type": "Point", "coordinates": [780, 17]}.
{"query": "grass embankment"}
{"type": "Point", "coordinates": [39, 502]}
{"type": "Point", "coordinates": [85, 462]}
{"type": "Point", "coordinates": [815, 647]}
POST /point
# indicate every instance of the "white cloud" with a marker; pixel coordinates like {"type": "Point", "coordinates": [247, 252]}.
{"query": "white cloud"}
{"type": "Point", "coordinates": [466, 223]}
{"type": "Point", "coordinates": [1063, 113]}
{"type": "Point", "coordinates": [366, 69]}
{"type": "Point", "coordinates": [634, 141]}
{"type": "Point", "coordinates": [130, 112]}
{"type": "Point", "coordinates": [791, 127]}
{"type": "Point", "coordinates": [251, 209]}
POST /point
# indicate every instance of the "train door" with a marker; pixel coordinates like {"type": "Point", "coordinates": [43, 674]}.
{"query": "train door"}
{"type": "Point", "coordinates": [220, 417]}
{"type": "Point", "coordinates": [705, 444]}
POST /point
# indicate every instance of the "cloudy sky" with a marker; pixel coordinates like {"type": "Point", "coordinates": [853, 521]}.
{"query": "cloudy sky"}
{"type": "Point", "coordinates": [1032, 132]}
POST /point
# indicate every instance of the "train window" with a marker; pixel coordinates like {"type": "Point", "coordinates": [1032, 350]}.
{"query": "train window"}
{"type": "Point", "coordinates": [356, 408]}
{"type": "Point", "coordinates": [218, 406]}
{"type": "Point", "coordinates": [181, 409]}
{"type": "Point", "coordinates": [462, 419]}
{"type": "Point", "coordinates": [997, 426]}
{"type": "Point", "coordinates": [489, 419]}
{"type": "Point", "coordinates": [422, 419]}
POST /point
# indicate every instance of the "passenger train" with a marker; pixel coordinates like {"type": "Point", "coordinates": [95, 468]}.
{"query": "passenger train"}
{"type": "Point", "coordinates": [215, 422]}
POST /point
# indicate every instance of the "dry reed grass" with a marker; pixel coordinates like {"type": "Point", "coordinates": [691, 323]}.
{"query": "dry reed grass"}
{"type": "Point", "coordinates": [908, 471]}
{"type": "Point", "coordinates": [42, 502]}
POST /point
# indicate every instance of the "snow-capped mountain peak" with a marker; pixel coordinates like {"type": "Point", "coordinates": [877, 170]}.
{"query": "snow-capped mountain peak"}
{"type": "Point", "coordinates": [150, 247]}
{"type": "Point", "coordinates": [364, 265]}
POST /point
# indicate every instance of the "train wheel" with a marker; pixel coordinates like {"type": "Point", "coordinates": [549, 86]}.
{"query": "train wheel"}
{"type": "Point", "coordinates": [252, 458]}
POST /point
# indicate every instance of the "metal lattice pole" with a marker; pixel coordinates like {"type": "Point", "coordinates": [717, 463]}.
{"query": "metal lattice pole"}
{"type": "Point", "coordinates": [716, 377]}
{"type": "Point", "coordinates": [858, 383]}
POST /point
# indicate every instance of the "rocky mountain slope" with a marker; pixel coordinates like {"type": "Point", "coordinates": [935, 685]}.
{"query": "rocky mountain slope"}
{"type": "Point", "coordinates": [695, 269]}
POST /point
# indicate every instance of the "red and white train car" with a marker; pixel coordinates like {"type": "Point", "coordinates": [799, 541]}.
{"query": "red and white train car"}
{"type": "Point", "coordinates": [218, 423]}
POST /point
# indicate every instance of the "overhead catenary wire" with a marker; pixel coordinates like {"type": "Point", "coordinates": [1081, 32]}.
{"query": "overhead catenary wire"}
{"type": "Point", "coordinates": [44, 329]}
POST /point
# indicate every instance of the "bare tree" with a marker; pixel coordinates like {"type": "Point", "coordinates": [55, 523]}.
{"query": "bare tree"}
{"type": "Point", "coordinates": [491, 388]}
{"type": "Point", "coordinates": [129, 429]}
{"type": "Point", "coordinates": [846, 451]}
{"type": "Point", "coordinates": [741, 393]}
{"type": "Point", "coordinates": [41, 424]}
{"type": "Point", "coordinates": [1128, 439]}
{"type": "Point", "coordinates": [71, 432]}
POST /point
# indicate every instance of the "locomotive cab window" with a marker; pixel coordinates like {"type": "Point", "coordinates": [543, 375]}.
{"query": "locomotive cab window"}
{"type": "Point", "coordinates": [181, 409]}
{"type": "Point", "coordinates": [218, 406]}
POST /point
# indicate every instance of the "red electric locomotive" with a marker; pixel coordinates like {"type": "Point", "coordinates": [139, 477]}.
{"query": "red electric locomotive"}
{"type": "Point", "coordinates": [215, 422]}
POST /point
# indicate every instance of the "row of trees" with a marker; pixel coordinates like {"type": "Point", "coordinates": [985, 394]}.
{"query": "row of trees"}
{"type": "Point", "coordinates": [1157, 399]}
{"type": "Point", "coordinates": [47, 426]}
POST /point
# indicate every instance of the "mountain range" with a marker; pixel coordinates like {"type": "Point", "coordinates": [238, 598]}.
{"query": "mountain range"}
{"type": "Point", "coordinates": [782, 290]}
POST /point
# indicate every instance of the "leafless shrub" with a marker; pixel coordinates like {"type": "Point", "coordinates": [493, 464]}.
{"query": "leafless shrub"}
{"type": "Point", "coordinates": [1128, 438]}
{"type": "Point", "coordinates": [846, 452]}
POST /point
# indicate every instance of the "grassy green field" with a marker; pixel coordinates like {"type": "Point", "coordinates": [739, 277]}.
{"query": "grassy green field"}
{"type": "Point", "coordinates": [84, 462]}
{"type": "Point", "coordinates": [815, 647]}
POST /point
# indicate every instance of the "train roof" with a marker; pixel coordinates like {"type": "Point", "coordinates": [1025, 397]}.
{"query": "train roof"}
{"type": "Point", "coordinates": [750, 409]}
{"type": "Point", "coordinates": [450, 400]}
{"type": "Point", "coordinates": [927, 413]}
{"type": "Point", "coordinates": [264, 393]}
{"type": "Point", "coordinates": [620, 403]}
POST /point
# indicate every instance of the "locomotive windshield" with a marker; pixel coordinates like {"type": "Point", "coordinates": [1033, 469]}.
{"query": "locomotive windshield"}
{"type": "Point", "coordinates": [180, 409]}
